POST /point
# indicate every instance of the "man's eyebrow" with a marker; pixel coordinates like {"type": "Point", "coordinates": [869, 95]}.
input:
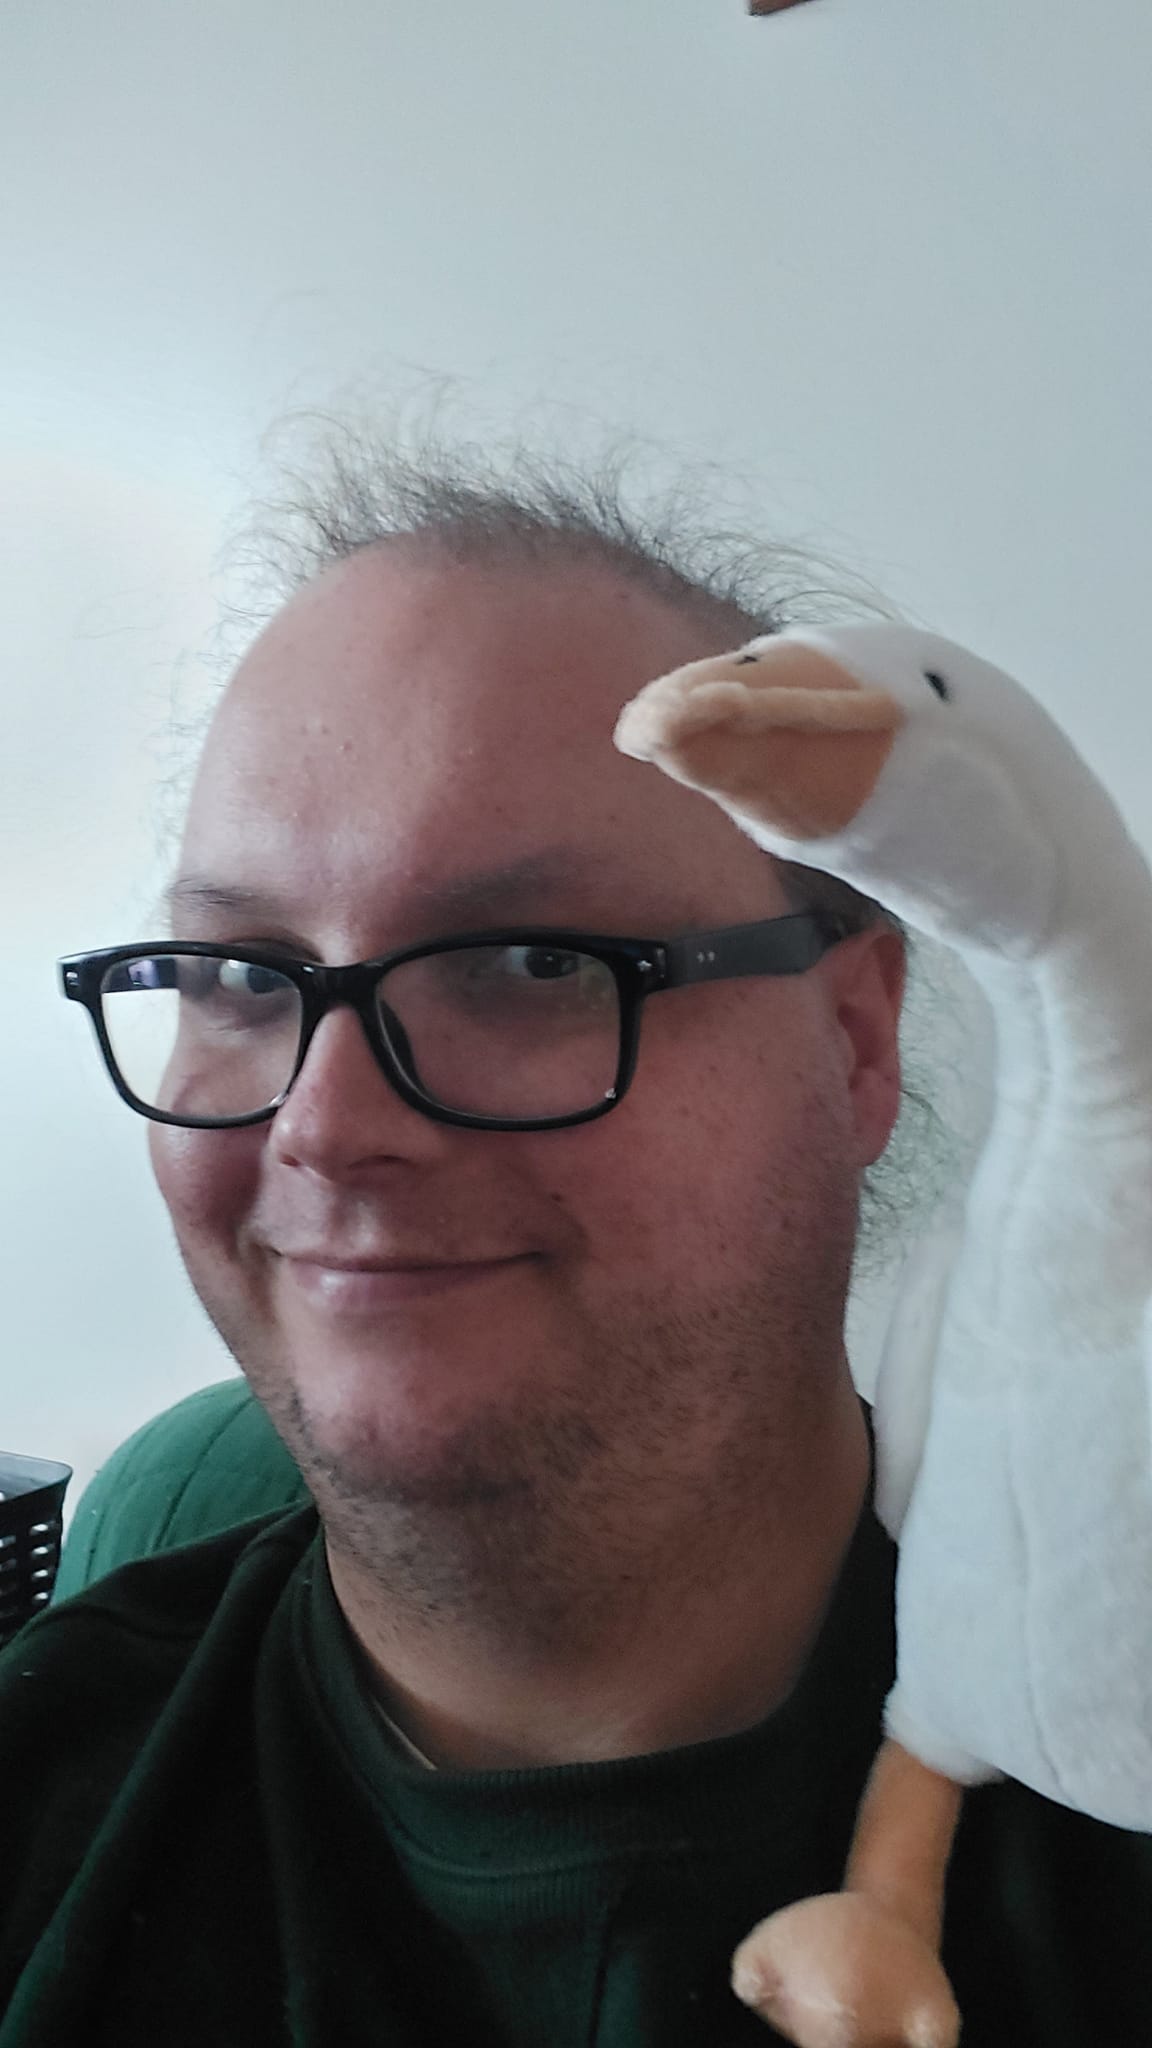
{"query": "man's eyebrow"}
{"type": "Point", "coordinates": [551, 868]}
{"type": "Point", "coordinates": [197, 892]}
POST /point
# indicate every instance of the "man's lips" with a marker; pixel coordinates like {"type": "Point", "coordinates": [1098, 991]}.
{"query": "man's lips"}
{"type": "Point", "coordinates": [391, 1261]}
{"type": "Point", "coordinates": [365, 1284]}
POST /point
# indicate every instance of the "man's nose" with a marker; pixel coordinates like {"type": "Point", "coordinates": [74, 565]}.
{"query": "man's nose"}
{"type": "Point", "coordinates": [343, 1113]}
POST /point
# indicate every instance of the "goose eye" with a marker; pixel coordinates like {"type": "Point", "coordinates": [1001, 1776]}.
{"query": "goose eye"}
{"type": "Point", "coordinates": [938, 684]}
{"type": "Point", "coordinates": [742, 658]}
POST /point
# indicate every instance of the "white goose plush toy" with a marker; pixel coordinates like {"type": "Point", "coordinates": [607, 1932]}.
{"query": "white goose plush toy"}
{"type": "Point", "coordinates": [1023, 1510]}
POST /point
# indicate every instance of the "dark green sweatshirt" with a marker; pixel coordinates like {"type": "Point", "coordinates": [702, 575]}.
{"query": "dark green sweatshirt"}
{"type": "Point", "coordinates": [208, 1839]}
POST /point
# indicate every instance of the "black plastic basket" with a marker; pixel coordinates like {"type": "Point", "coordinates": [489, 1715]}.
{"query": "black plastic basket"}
{"type": "Point", "coordinates": [31, 1525]}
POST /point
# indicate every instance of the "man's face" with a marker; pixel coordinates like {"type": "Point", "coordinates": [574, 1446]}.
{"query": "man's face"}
{"type": "Point", "coordinates": [416, 749]}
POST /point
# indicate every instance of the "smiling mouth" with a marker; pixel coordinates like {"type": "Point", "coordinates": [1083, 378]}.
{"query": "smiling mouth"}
{"type": "Point", "coordinates": [349, 1287]}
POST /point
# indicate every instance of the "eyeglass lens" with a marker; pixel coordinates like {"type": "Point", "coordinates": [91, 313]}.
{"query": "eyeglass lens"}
{"type": "Point", "coordinates": [505, 1031]}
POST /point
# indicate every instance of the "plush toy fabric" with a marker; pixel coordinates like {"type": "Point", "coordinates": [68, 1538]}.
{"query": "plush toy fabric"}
{"type": "Point", "coordinates": [1021, 1488]}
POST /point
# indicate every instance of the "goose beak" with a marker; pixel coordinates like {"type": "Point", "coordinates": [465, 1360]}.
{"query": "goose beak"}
{"type": "Point", "coordinates": [786, 737]}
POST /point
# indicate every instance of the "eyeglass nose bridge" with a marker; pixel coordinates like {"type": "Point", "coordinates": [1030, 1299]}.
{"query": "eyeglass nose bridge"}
{"type": "Point", "coordinates": [324, 989]}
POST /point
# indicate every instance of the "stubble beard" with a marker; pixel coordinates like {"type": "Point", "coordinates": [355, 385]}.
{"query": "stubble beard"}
{"type": "Point", "coordinates": [670, 1431]}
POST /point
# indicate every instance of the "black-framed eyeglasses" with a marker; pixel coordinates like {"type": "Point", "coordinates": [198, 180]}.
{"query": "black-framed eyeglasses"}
{"type": "Point", "coordinates": [526, 1028]}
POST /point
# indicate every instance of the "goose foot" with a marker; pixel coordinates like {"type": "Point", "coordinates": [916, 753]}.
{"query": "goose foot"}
{"type": "Point", "coordinates": [844, 1971]}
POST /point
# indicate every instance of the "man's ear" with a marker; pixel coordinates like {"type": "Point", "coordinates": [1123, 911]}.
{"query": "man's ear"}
{"type": "Point", "coordinates": [866, 977]}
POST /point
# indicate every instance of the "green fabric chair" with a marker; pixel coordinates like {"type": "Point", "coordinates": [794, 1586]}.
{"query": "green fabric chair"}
{"type": "Point", "coordinates": [198, 1468]}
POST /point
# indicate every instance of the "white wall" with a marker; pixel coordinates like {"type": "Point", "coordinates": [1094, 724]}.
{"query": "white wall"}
{"type": "Point", "coordinates": [890, 258]}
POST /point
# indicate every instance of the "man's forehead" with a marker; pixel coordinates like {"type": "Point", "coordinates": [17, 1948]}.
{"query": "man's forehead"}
{"type": "Point", "coordinates": [405, 623]}
{"type": "Point", "coordinates": [451, 728]}
{"type": "Point", "coordinates": [398, 670]}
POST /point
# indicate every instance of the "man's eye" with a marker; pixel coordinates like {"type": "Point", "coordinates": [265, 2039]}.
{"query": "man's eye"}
{"type": "Point", "coordinates": [248, 978]}
{"type": "Point", "coordinates": [578, 981]}
{"type": "Point", "coordinates": [541, 963]}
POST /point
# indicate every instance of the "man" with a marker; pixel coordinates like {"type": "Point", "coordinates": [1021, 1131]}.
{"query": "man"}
{"type": "Point", "coordinates": [576, 1668]}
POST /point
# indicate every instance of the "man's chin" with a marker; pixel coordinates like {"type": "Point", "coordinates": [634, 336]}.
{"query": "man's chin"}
{"type": "Point", "coordinates": [358, 1442]}
{"type": "Point", "coordinates": [430, 1470]}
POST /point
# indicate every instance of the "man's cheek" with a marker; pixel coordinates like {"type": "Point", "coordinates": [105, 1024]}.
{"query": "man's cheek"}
{"type": "Point", "coordinates": [207, 1178]}
{"type": "Point", "coordinates": [648, 1203]}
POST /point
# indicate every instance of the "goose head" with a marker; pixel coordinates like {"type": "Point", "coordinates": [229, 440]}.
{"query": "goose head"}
{"type": "Point", "coordinates": [901, 763]}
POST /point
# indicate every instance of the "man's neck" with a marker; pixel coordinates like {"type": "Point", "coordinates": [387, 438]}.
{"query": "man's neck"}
{"type": "Point", "coordinates": [703, 1634]}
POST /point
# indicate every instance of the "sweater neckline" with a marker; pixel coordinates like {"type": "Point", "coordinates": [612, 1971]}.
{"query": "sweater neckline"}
{"type": "Point", "coordinates": [773, 1778]}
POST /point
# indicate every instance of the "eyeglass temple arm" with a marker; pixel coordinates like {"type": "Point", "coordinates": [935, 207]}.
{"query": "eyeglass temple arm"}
{"type": "Point", "coordinates": [781, 945]}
